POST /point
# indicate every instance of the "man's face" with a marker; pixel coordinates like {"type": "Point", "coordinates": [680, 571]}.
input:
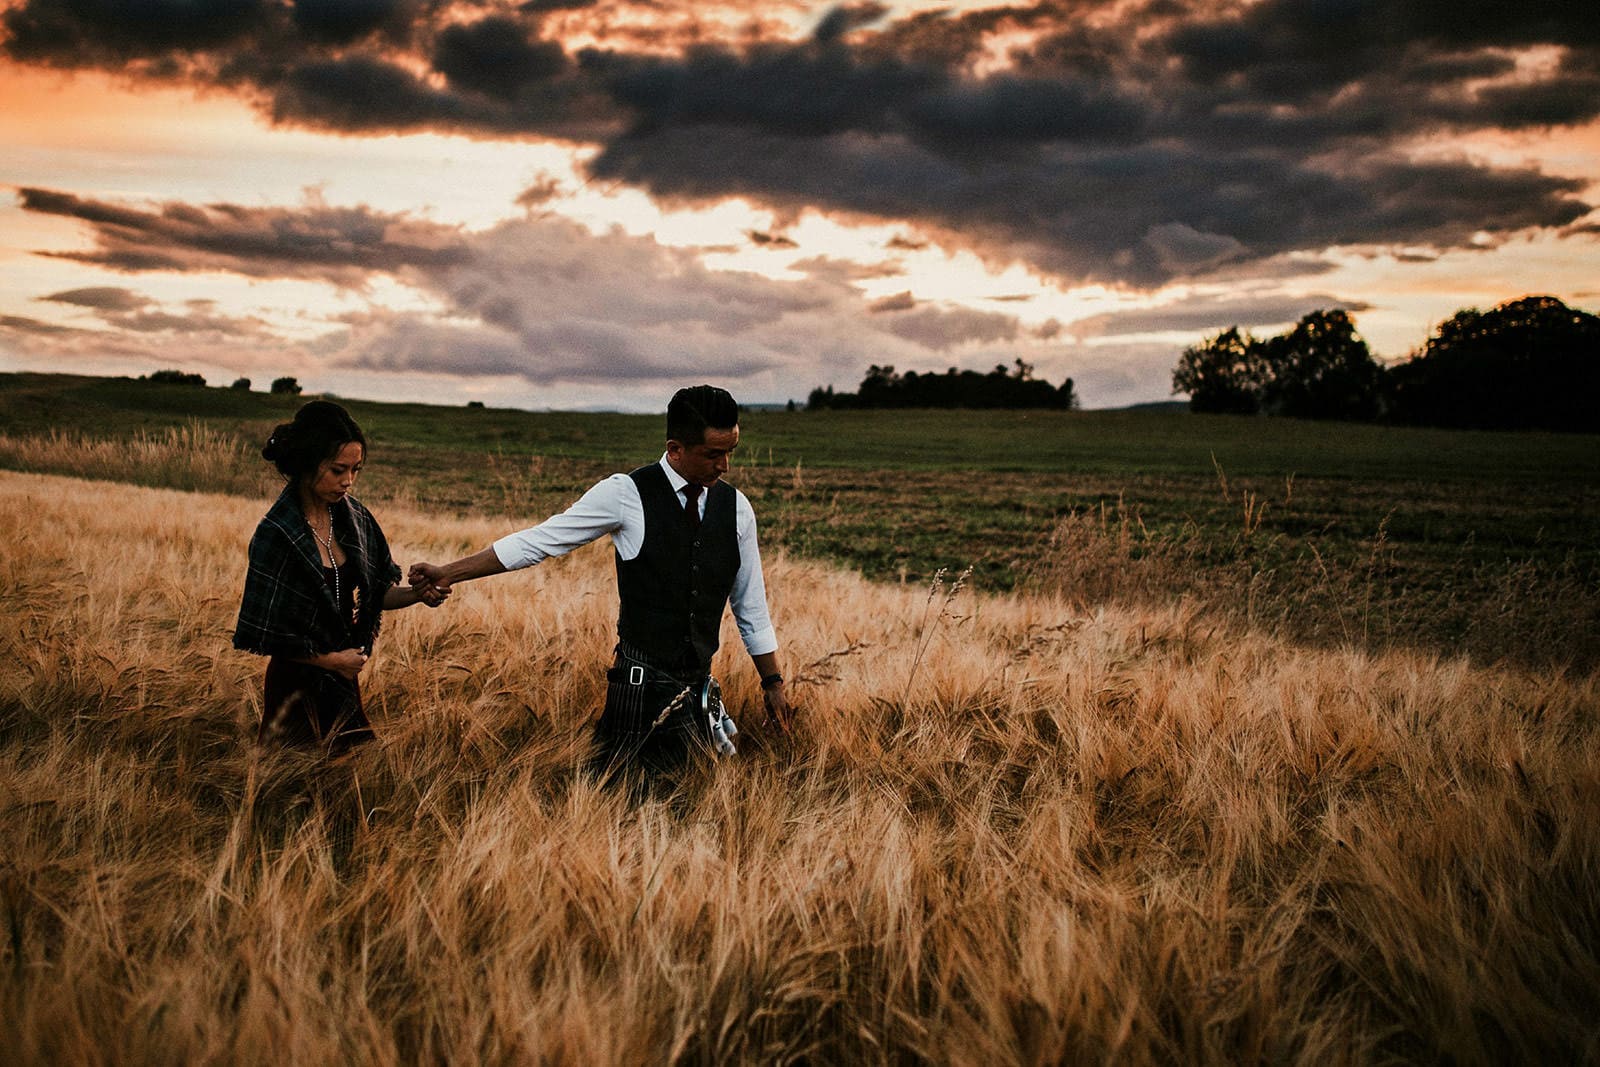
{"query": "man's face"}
{"type": "Point", "coordinates": [707, 461]}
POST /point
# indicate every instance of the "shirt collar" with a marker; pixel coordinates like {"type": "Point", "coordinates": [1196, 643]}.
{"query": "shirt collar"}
{"type": "Point", "coordinates": [676, 480]}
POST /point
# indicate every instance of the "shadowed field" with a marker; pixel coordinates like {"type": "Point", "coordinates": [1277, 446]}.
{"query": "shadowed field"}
{"type": "Point", "coordinates": [1009, 829]}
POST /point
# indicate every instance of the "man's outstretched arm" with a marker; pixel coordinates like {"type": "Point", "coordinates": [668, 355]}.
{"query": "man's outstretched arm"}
{"type": "Point", "coordinates": [598, 512]}
{"type": "Point", "coordinates": [427, 577]}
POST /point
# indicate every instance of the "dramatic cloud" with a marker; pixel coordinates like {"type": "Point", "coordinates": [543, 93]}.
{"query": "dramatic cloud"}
{"type": "Point", "coordinates": [108, 298]}
{"type": "Point", "coordinates": [23, 326]}
{"type": "Point", "coordinates": [343, 21]}
{"type": "Point", "coordinates": [551, 302]}
{"type": "Point", "coordinates": [71, 33]}
{"type": "Point", "coordinates": [541, 299]}
{"type": "Point", "coordinates": [1213, 313]}
{"type": "Point", "coordinates": [340, 245]}
{"type": "Point", "coordinates": [1125, 143]}
{"type": "Point", "coordinates": [128, 310]}
{"type": "Point", "coordinates": [942, 329]}
{"type": "Point", "coordinates": [154, 339]}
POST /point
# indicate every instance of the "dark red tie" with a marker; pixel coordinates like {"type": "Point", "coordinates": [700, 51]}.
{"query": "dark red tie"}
{"type": "Point", "coordinates": [691, 507]}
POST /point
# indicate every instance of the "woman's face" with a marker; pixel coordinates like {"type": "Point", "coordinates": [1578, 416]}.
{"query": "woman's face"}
{"type": "Point", "coordinates": [336, 475]}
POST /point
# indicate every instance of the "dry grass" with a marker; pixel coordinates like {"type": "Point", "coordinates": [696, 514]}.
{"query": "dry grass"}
{"type": "Point", "coordinates": [1008, 830]}
{"type": "Point", "coordinates": [192, 457]}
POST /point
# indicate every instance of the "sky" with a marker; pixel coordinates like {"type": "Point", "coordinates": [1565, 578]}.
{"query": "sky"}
{"type": "Point", "coordinates": [571, 204]}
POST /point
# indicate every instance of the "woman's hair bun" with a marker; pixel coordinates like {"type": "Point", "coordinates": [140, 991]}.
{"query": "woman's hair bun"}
{"type": "Point", "coordinates": [278, 443]}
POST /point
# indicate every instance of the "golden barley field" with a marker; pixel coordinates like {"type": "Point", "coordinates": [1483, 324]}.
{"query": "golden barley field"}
{"type": "Point", "coordinates": [1006, 830]}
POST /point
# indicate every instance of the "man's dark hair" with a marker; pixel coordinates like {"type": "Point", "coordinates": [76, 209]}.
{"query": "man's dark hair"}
{"type": "Point", "coordinates": [697, 409]}
{"type": "Point", "coordinates": [318, 431]}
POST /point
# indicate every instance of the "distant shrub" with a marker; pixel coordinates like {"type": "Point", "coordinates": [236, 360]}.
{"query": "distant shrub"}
{"type": "Point", "coordinates": [474, 403]}
{"type": "Point", "coordinates": [241, 384]}
{"type": "Point", "coordinates": [173, 377]}
{"type": "Point", "coordinates": [286, 385]}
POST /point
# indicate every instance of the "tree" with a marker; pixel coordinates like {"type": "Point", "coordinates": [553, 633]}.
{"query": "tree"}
{"type": "Point", "coordinates": [821, 398]}
{"type": "Point", "coordinates": [1321, 369]}
{"type": "Point", "coordinates": [241, 384]}
{"type": "Point", "coordinates": [1067, 396]}
{"type": "Point", "coordinates": [879, 388]}
{"type": "Point", "coordinates": [1532, 363]}
{"type": "Point", "coordinates": [286, 385]}
{"type": "Point", "coordinates": [1223, 375]}
{"type": "Point", "coordinates": [1001, 387]}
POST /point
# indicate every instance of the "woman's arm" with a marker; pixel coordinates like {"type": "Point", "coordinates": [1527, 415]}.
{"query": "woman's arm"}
{"type": "Point", "coordinates": [346, 662]}
{"type": "Point", "coordinates": [403, 596]}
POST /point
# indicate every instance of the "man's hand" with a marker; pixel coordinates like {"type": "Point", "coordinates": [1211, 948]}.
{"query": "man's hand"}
{"type": "Point", "coordinates": [778, 707]}
{"type": "Point", "coordinates": [429, 579]}
{"type": "Point", "coordinates": [429, 582]}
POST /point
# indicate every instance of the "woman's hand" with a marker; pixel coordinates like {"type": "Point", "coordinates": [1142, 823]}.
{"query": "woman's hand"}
{"type": "Point", "coordinates": [347, 662]}
{"type": "Point", "coordinates": [428, 579]}
{"type": "Point", "coordinates": [403, 596]}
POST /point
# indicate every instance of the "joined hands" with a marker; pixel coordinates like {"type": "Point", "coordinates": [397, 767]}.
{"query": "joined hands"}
{"type": "Point", "coordinates": [429, 583]}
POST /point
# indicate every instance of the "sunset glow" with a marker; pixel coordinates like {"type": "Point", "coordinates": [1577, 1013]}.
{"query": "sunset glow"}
{"type": "Point", "coordinates": [590, 203]}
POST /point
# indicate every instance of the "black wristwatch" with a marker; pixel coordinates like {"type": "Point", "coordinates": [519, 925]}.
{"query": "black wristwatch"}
{"type": "Point", "coordinates": [771, 681]}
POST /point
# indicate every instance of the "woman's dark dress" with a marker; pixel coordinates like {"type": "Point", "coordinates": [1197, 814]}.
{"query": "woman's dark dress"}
{"type": "Point", "coordinates": [288, 612]}
{"type": "Point", "coordinates": [307, 705]}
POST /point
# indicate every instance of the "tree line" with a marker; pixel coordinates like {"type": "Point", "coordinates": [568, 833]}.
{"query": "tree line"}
{"type": "Point", "coordinates": [178, 377]}
{"type": "Point", "coordinates": [1528, 364]}
{"type": "Point", "coordinates": [1003, 387]}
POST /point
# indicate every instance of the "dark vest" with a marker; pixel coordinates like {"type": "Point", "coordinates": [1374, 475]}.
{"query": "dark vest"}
{"type": "Point", "coordinates": [674, 590]}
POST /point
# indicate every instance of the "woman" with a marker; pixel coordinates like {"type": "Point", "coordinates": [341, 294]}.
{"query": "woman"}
{"type": "Point", "coordinates": [320, 578]}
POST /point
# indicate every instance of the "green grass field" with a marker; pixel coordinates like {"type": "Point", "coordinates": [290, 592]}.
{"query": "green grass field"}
{"type": "Point", "coordinates": [1342, 533]}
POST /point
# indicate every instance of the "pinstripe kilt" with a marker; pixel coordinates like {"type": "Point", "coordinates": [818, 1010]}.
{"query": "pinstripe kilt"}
{"type": "Point", "coordinates": [650, 721]}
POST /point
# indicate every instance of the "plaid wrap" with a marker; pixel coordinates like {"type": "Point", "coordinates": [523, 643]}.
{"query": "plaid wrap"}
{"type": "Point", "coordinates": [287, 608]}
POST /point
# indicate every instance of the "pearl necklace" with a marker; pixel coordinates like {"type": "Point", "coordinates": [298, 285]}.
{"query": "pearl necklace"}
{"type": "Point", "coordinates": [338, 601]}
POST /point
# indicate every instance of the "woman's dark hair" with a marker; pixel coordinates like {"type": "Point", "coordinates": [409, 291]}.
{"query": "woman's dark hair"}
{"type": "Point", "coordinates": [319, 430]}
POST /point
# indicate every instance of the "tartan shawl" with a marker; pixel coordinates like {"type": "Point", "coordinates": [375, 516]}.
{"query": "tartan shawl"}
{"type": "Point", "coordinates": [287, 608]}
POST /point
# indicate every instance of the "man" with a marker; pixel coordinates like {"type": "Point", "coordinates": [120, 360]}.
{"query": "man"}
{"type": "Point", "coordinates": [685, 548]}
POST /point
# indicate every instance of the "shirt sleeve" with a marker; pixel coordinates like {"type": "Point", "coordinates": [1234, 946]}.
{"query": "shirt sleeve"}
{"type": "Point", "coordinates": [600, 511]}
{"type": "Point", "coordinates": [749, 595]}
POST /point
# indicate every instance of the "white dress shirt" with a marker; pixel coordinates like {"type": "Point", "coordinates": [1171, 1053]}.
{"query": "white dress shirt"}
{"type": "Point", "coordinates": [613, 507]}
